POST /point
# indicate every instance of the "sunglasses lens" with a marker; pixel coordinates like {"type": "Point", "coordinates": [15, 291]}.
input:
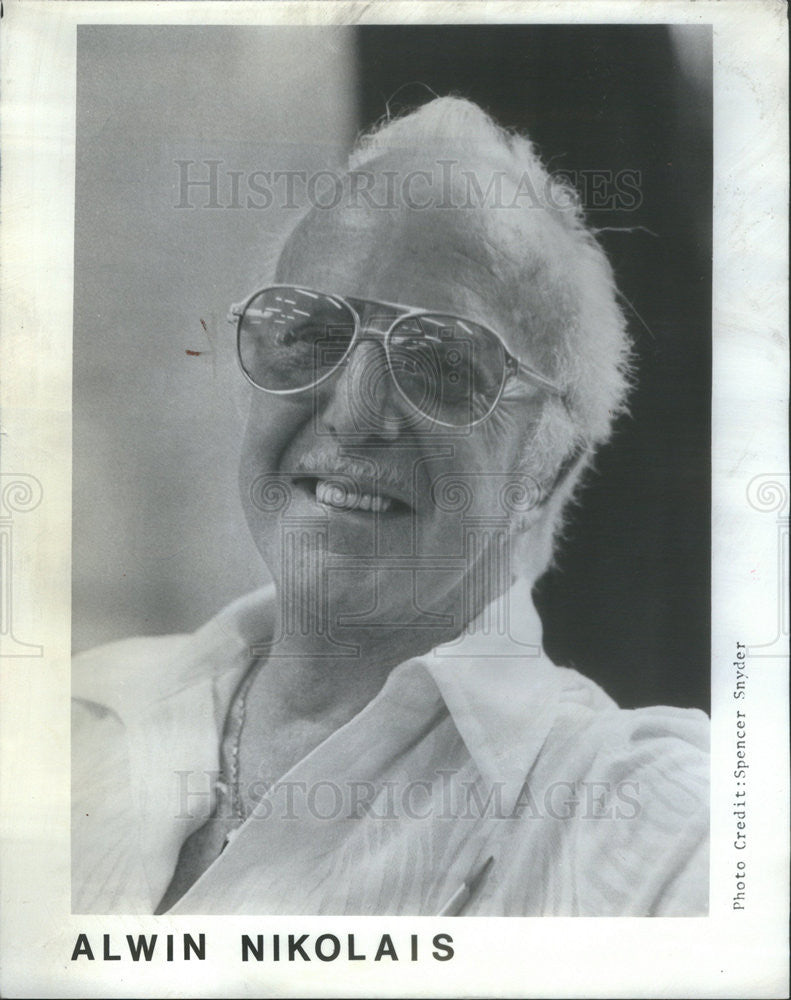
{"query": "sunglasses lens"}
{"type": "Point", "coordinates": [450, 369]}
{"type": "Point", "coordinates": [290, 338]}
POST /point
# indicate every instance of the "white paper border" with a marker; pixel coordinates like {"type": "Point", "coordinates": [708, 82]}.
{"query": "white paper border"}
{"type": "Point", "coordinates": [727, 954]}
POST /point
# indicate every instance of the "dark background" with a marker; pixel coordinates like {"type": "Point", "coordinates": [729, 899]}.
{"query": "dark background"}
{"type": "Point", "coordinates": [629, 601]}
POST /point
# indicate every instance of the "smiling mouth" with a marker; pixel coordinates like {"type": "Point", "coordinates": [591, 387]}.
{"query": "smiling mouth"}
{"type": "Point", "coordinates": [340, 495]}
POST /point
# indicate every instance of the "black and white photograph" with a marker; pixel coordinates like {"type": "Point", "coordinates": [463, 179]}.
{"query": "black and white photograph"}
{"type": "Point", "coordinates": [436, 338]}
{"type": "Point", "coordinates": [426, 507]}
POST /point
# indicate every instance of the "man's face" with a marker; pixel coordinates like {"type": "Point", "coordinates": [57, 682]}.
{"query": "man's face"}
{"type": "Point", "coordinates": [448, 495]}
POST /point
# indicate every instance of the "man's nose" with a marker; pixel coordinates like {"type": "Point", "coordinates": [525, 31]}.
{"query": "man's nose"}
{"type": "Point", "coordinates": [363, 398]}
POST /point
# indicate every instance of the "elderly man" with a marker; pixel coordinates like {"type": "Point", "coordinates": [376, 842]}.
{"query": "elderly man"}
{"type": "Point", "coordinates": [434, 362]}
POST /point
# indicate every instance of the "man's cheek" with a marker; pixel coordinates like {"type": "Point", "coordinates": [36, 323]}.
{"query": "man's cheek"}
{"type": "Point", "coordinates": [438, 534]}
{"type": "Point", "coordinates": [269, 433]}
{"type": "Point", "coordinates": [262, 492]}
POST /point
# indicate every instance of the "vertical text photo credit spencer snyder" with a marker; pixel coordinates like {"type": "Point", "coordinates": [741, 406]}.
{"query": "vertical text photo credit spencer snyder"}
{"type": "Point", "coordinates": [434, 361]}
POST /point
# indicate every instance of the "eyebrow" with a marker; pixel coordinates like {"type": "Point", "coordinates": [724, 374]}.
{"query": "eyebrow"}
{"type": "Point", "coordinates": [371, 311]}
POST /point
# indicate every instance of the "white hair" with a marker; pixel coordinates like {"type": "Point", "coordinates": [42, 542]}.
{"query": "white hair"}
{"type": "Point", "coordinates": [555, 276]}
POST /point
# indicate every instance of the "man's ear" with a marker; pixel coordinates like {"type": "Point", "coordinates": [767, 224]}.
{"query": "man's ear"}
{"type": "Point", "coordinates": [564, 473]}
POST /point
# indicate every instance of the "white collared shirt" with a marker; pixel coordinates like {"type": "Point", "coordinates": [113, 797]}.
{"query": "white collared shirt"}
{"type": "Point", "coordinates": [481, 748]}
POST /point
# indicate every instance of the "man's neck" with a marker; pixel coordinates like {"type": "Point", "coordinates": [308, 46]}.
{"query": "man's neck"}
{"type": "Point", "coordinates": [308, 687]}
{"type": "Point", "coordinates": [309, 677]}
{"type": "Point", "coordinates": [325, 667]}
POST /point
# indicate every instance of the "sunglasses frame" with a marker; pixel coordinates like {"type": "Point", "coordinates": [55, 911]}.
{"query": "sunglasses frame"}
{"type": "Point", "coordinates": [512, 367]}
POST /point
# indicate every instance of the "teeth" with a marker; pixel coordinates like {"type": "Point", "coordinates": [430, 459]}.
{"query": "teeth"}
{"type": "Point", "coordinates": [333, 494]}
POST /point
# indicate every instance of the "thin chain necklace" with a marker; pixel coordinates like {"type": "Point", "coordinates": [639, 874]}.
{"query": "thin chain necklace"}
{"type": "Point", "coordinates": [228, 784]}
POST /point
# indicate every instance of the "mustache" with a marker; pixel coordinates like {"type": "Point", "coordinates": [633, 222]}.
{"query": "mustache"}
{"type": "Point", "coordinates": [370, 475]}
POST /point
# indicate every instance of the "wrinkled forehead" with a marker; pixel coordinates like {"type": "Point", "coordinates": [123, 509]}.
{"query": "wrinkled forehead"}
{"type": "Point", "coordinates": [472, 260]}
{"type": "Point", "coordinates": [426, 258]}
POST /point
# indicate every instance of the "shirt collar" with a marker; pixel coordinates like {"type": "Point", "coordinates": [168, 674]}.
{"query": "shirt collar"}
{"type": "Point", "coordinates": [500, 689]}
{"type": "Point", "coordinates": [498, 685]}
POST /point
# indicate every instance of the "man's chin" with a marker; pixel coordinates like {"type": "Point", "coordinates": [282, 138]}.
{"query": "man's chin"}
{"type": "Point", "coordinates": [352, 593]}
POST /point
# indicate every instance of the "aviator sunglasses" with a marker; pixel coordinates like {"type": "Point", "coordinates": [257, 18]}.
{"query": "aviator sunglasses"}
{"type": "Point", "coordinates": [449, 369]}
